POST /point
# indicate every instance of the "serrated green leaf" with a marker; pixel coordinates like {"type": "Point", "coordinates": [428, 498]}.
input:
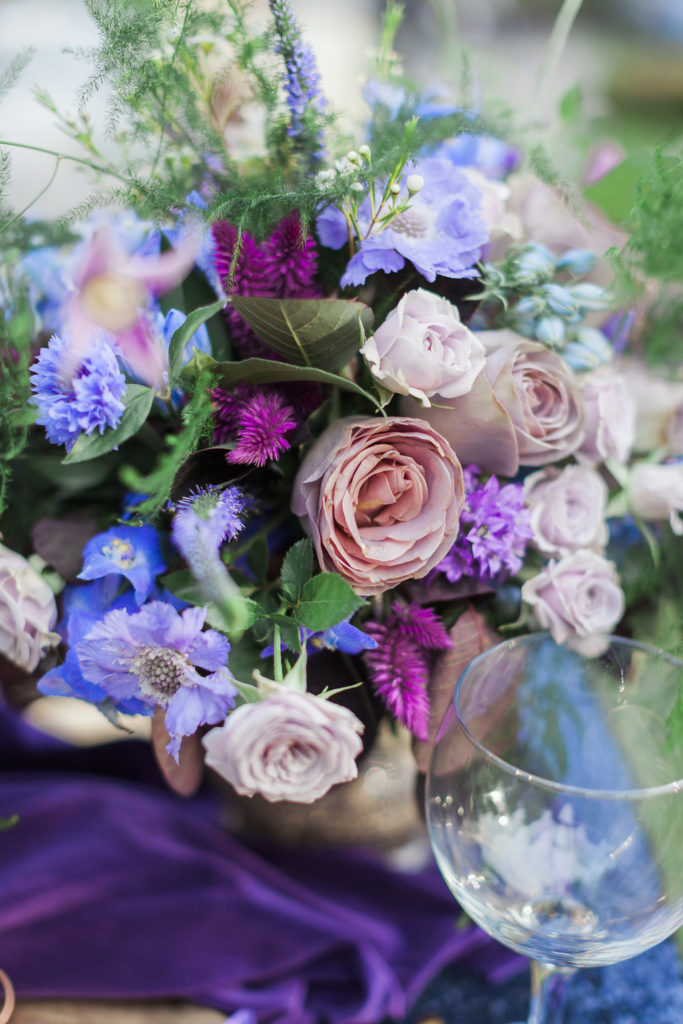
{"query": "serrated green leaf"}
{"type": "Point", "coordinates": [297, 569]}
{"type": "Point", "coordinates": [181, 337]}
{"type": "Point", "coordinates": [268, 371]}
{"type": "Point", "coordinates": [326, 600]}
{"type": "Point", "coordinates": [138, 402]}
{"type": "Point", "coordinates": [324, 333]}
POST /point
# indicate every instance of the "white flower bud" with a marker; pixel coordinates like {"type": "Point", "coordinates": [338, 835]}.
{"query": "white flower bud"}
{"type": "Point", "coordinates": [364, 153]}
{"type": "Point", "coordinates": [357, 187]}
{"type": "Point", "coordinates": [353, 157]}
{"type": "Point", "coordinates": [395, 188]}
{"type": "Point", "coordinates": [414, 182]}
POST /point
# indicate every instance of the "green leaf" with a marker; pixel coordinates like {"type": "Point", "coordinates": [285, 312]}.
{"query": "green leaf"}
{"type": "Point", "coordinates": [257, 557]}
{"type": "Point", "coordinates": [324, 333]}
{"type": "Point", "coordinates": [10, 822]}
{"type": "Point", "coordinates": [297, 569]}
{"type": "Point", "coordinates": [268, 371]}
{"type": "Point", "coordinates": [138, 402]}
{"type": "Point", "coordinates": [615, 193]}
{"type": "Point", "coordinates": [181, 337]}
{"type": "Point", "coordinates": [571, 103]}
{"type": "Point", "coordinates": [326, 599]}
{"type": "Point", "coordinates": [675, 722]}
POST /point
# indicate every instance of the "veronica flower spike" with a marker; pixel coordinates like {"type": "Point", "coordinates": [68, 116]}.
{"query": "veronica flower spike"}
{"type": "Point", "coordinates": [113, 292]}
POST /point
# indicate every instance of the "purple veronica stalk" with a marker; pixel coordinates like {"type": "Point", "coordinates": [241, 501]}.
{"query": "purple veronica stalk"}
{"type": "Point", "coordinates": [441, 233]}
{"type": "Point", "coordinates": [399, 665]}
{"type": "Point", "coordinates": [154, 655]}
{"type": "Point", "coordinates": [302, 81]}
{"type": "Point", "coordinates": [130, 551]}
{"type": "Point", "coordinates": [499, 526]}
{"type": "Point", "coordinates": [203, 520]}
{"type": "Point", "coordinates": [89, 400]}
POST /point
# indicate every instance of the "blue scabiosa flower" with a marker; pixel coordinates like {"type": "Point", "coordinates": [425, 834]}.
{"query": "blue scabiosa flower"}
{"type": "Point", "coordinates": [155, 656]}
{"type": "Point", "coordinates": [92, 399]}
{"type": "Point", "coordinates": [130, 551]}
{"type": "Point", "coordinates": [441, 233]}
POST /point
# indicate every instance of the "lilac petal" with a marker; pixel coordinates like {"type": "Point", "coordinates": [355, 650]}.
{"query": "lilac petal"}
{"type": "Point", "coordinates": [102, 254]}
{"type": "Point", "coordinates": [331, 228]}
{"type": "Point", "coordinates": [145, 353]}
{"type": "Point", "coordinates": [163, 272]}
{"type": "Point", "coordinates": [209, 650]}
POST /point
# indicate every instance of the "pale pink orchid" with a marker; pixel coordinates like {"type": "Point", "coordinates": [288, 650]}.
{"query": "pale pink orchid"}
{"type": "Point", "coordinates": [113, 293]}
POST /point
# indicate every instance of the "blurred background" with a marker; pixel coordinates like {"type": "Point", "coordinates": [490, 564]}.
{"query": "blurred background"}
{"type": "Point", "coordinates": [619, 80]}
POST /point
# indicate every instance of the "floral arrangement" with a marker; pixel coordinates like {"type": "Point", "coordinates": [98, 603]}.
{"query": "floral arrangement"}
{"type": "Point", "coordinates": [290, 418]}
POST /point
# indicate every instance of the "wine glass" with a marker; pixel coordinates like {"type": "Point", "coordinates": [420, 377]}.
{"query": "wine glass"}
{"type": "Point", "coordinates": [554, 803]}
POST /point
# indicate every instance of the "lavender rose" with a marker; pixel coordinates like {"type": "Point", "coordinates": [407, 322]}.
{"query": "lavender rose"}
{"type": "Point", "coordinates": [659, 408]}
{"type": "Point", "coordinates": [381, 500]}
{"type": "Point", "coordinates": [423, 348]}
{"type": "Point", "coordinates": [28, 612]}
{"type": "Point", "coordinates": [610, 416]}
{"type": "Point", "coordinates": [567, 509]}
{"type": "Point", "coordinates": [577, 598]}
{"type": "Point", "coordinates": [655, 492]}
{"type": "Point", "coordinates": [524, 409]}
{"type": "Point", "coordinates": [292, 746]}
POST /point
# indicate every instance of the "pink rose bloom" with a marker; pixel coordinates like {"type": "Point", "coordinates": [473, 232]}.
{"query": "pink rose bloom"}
{"type": "Point", "coordinates": [524, 409]}
{"type": "Point", "coordinates": [577, 598]}
{"type": "Point", "coordinates": [655, 492]}
{"type": "Point", "coordinates": [610, 417]}
{"type": "Point", "coordinates": [292, 746]}
{"type": "Point", "coordinates": [567, 509]}
{"type": "Point", "coordinates": [423, 349]}
{"type": "Point", "coordinates": [381, 499]}
{"type": "Point", "coordinates": [28, 612]}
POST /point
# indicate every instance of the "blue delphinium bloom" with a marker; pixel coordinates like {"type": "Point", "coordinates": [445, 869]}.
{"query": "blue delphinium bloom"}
{"type": "Point", "coordinates": [441, 233]}
{"type": "Point", "coordinates": [130, 551]}
{"type": "Point", "coordinates": [154, 656]}
{"type": "Point", "coordinates": [342, 637]}
{"type": "Point", "coordinates": [91, 400]}
{"type": "Point", "coordinates": [83, 607]}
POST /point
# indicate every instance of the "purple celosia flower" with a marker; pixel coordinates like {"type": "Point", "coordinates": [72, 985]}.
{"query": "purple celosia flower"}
{"type": "Point", "coordinates": [399, 665]}
{"type": "Point", "coordinates": [302, 81]}
{"type": "Point", "coordinates": [262, 420]}
{"type": "Point", "coordinates": [441, 233]}
{"type": "Point", "coordinates": [130, 551]}
{"type": "Point", "coordinates": [91, 399]}
{"type": "Point", "coordinates": [154, 656]}
{"type": "Point", "coordinates": [494, 529]}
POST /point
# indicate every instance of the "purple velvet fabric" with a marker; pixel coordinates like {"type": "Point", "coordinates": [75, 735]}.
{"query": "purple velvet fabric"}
{"type": "Point", "coordinates": [114, 888]}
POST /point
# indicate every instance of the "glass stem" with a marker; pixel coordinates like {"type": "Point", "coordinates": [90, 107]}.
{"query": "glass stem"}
{"type": "Point", "coordinates": [549, 988]}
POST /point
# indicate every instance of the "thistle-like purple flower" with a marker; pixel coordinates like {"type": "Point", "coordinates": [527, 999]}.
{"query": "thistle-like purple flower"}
{"type": "Point", "coordinates": [154, 656]}
{"type": "Point", "coordinates": [262, 421]}
{"type": "Point", "coordinates": [305, 99]}
{"type": "Point", "coordinates": [399, 665]}
{"type": "Point", "coordinates": [91, 399]}
{"type": "Point", "coordinates": [499, 527]}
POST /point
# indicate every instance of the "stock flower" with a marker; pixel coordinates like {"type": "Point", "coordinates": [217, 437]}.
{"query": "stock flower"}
{"type": "Point", "coordinates": [655, 492]}
{"type": "Point", "coordinates": [28, 612]}
{"type": "Point", "coordinates": [441, 233]}
{"type": "Point", "coordinates": [153, 655]}
{"type": "Point", "coordinates": [423, 349]}
{"type": "Point", "coordinates": [577, 598]}
{"type": "Point", "coordinates": [113, 292]}
{"type": "Point", "coordinates": [89, 399]}
{"type": "Point", "coordinates": [130, 551]}
{"type": "Point", "coordinates": [567, 509]}
{"type": "Point", "coordinates": [291, 746]}
{"type": "Point", "coordinates": [380, 499]}
{"type": "Point", "coordinates": [398, 666]}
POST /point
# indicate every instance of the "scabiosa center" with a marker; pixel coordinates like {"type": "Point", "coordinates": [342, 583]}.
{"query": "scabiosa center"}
{"type": "Point", "coordinates": [160, 672]}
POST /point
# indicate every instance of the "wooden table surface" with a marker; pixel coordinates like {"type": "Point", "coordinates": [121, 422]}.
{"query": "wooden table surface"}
{"type": "Point", "coordinates": [65, 1011]}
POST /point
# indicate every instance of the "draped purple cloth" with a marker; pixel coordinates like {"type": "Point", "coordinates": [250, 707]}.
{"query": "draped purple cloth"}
{"type": "Point", "coordinates": [115, 888]}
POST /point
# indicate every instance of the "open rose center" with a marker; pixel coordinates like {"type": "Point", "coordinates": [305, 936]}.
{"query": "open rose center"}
{"type": "Point", "coordinates": [393, 493]}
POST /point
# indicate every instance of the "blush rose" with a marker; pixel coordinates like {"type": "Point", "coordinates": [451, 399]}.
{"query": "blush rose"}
{"type": "Point", "coordinates": [28, 612]}
{"type": "Point", "coordinates": [423, 349]}
{"type": "Point", "coordinates": [567, 509]}
{"type": "Point", "coordinates": [292, 746]}
{"type": "Point", "coordinates": [655, 492]}
{"type": "Point", "coordinates": [610, 417]}
{"type": "Point", "coordinates": [381, 500]}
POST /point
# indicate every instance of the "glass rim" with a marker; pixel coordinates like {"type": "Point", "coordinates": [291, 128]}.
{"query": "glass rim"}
{"type": "Point", "coordinates": [645, 793]}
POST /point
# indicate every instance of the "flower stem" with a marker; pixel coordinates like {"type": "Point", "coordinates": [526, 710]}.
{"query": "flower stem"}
{"type": "Point", "coordinates": [35, 199]}
{"type": "Point", "coordinates": [66, 156]}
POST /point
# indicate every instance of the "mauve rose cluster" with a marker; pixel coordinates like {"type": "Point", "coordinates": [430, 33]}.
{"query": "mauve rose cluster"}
{"type": "Point", "coordinates": [28, 612]}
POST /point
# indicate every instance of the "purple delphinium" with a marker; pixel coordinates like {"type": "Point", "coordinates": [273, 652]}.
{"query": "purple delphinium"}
{"type": "Point", "coordinates": [441, 233]}
{"type": "Point", "coordinates": [90, 400]}
{"type": "Point", "coordinates": [494, 530]}
{"type": "Point", "coordinates": [154, 656]}
{"type": "Point", "coordinates": [399, 665]}
{"type": "Point", "coordinates": [302, 82]}
{"type": "Point", "coordinates": [130, 551]}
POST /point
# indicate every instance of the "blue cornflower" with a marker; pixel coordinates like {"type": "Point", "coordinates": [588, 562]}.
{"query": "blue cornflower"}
{"type": "Point", "coordinates": [130, 551]}
{"type": "Point", "coordinates": [441, 233]}
{"type": "Point", "coordinates": [153, 656]}
{"type": "Point", "coordinates": [90, 400]}
{"type": "Point", "coordinates": [84, 606]}
{"type": "Point", "coordinates": [302, 80]}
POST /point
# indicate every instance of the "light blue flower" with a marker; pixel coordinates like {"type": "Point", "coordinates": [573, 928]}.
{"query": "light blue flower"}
{"type": "Point", "coordinates": [130, 551]}
{"type": "Point", "coordinates": [169, 324]}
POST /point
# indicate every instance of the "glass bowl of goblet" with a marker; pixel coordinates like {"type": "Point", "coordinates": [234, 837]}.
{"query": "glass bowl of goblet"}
{"type": "Point", "coordinates": [555, 804]}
